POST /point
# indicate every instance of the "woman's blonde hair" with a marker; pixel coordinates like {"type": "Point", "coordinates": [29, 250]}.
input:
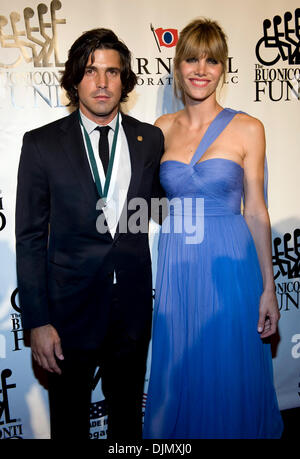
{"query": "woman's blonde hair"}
{"type": "Point", "coordinates": [201, 37]}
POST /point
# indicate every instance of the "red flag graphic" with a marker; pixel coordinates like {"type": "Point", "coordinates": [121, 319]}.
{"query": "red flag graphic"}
{"type": "Point", "coordinates": [167, 37]}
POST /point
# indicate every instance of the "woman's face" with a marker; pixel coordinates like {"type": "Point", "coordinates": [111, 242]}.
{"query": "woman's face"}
{"type": "Point", "coordinates": [199, 77]}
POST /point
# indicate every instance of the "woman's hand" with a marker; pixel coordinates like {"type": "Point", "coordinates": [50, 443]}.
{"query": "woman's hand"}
{"type": "Point", "coordinates": [268, 314]}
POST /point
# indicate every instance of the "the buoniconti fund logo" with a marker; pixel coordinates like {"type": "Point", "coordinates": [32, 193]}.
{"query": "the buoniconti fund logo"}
{"type": "Point", "coordinates": [29, 56]}
{"type": "Point", "coordinates": [286, 263]}
{"type": "Point", "coordinates": [10, 427]}
{"type": "Point", "coordinates": [277, 75]}
{"type": "Point", "coordinates": [2, 214]}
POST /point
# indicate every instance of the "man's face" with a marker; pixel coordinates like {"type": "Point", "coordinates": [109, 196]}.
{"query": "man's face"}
{"type": "Point", "coordinates": [100, 89]}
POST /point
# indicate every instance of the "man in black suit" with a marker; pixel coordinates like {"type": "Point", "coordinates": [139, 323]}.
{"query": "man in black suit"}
{"type": "Point", "coordinates": [83, 264]}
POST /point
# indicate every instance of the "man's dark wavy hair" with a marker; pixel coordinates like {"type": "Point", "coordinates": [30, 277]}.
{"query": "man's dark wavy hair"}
{"type": "Point", "coordinates": [79, 54]}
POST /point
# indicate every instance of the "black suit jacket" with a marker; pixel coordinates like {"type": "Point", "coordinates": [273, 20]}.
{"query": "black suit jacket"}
{"type": "Point", "coordinates": [64, 265]}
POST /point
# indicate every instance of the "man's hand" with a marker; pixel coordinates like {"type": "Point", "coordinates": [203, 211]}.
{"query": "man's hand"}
{"type": "Point", "coordinates": [45, 346]}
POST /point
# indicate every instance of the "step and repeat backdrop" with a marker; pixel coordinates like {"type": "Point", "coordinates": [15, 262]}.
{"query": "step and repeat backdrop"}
{"type": "Point", "coordinates": [263, 80]}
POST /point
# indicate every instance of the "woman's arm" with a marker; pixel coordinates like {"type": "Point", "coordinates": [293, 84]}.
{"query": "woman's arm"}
{"type": "Point", "coordinates": [257, 218]}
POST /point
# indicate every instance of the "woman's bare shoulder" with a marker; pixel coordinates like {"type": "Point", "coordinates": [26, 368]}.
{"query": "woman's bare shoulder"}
{"type": "Point", "coordinates": [166, 122]}
{"type": "Point", "coordinates": [250, 132]}
{"type": "Point", "coordinates": [248, 125]}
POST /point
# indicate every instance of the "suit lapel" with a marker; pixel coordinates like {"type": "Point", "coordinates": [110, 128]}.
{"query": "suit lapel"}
{"type": "Point", "coordinates": [136, 159]}
{"type": "Point", "coordinates": [73, 145]}
{"type": "Point", "coordinates": [136, 155]}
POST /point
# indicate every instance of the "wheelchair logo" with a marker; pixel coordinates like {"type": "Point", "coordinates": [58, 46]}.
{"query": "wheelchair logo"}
{"type": "Point", "coordinates": [36, 42]}
{"type": "Point", "coordinates": [280, 40]}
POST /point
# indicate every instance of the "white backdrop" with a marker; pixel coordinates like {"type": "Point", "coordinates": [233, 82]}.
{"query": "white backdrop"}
{"type": "Point", "coordinates": [263, 80]}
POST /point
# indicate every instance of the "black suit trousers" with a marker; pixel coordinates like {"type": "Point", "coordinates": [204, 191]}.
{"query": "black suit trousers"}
{"type": "Point", "coordinates": [122, 364]}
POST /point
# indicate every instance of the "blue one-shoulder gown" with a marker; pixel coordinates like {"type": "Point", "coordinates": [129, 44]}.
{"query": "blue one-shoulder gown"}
{"type": "Point", "coordinates": [211, 374]}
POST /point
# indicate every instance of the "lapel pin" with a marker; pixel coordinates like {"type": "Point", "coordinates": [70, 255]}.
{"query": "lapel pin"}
{"type": "Point", "coordinates": [140, 138]}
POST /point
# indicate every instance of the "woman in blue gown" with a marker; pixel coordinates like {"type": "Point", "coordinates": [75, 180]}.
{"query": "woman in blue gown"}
{"type": "Point", "coordinates": [211, 371]}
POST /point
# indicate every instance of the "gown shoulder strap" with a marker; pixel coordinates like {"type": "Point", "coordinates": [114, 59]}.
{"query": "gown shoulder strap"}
{"type": "Point", "coordinates": [213, 131]}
